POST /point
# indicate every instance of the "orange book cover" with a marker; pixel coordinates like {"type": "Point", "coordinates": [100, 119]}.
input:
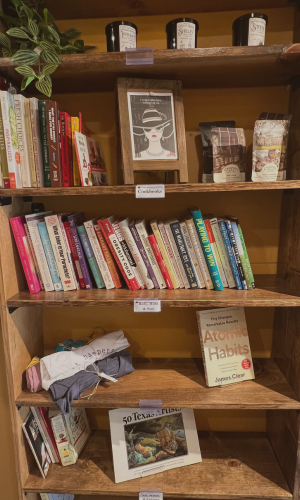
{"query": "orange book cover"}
{"type": "Point", "coordinates": [109, 258]}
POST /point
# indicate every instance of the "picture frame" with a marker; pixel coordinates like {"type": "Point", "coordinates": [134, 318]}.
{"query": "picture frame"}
{"type": "Point", "coordinates": [151, 127]}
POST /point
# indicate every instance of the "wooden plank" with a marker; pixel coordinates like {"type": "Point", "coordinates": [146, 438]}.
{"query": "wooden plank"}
{"type": "Point", "coordinates": [181, 383]}
{"type": "Point", "coordinates": [234, 466]}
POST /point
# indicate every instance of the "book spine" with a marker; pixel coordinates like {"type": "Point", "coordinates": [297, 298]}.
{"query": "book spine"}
{"type": "Point", "coordinates": [164, 254]}
{"type": "Point", "coordinates": [22, 140]}
{"type": "Point", "coordinates": [32, 252]}
{"type": "Point", "coordinates": [44, 141]}
{"type": "Point", "coordinates": [83, 265]}
{"type": "Point", "coordinates": [4, 164]}
{"type": "Point", "coordinates": [90, 257]}
{"type": "Point", "coordinates": [224, 232]}
{"type": "Point", "coordinates": [142, 231]}
{"type": "Point", "coordinates": [160, 261]}
{"type": "Point", "coordinates": [44, 416]}
{"type": "Point", "coordinates": [150, 273]}
{"type": "Point", "coordinates": [222, 252]}
{"type": "Point", "coordinates": [43, 432]}
{"type": "Point", "coordinates": [169, 250]}
{"type": "Point", "coordinates": [17, 225]}
{"type": "Point", "coordinates": [103, 267]}
{"type": "Point", "coordinates": [74, 254]}
{"type": "Point", "coordinates": [76, 174]}
{"type": "Point", "coordinates": [36, 139]}
{"type": "Point", "coordinates": [108, 257]}
{"type": "Point", "coordinates": [54, 144]}
{"type": "Point", "coordinates": [209, 256]}
{"type": "Point", "coordinates": [236, 254]}
{"type": "Point", "coordinates": [246, 257]}
{"type": "Point", "coordinates": [183, 253]}
{"type": "Point", "coordinates": [11, 140]}
{"type": "Point", "coordinates": [68, 250]}
{"type": "Point", "coordinates": [177, 256]}
{"type": "Point", "coordinates": [65, 125]}
{"type": "Point", "coordinates": [192, 255]}
{"type": "Point", "coordinates": [30, 143]}
{"type": "Point", "coordinates": [215, 251]}
{"type": "Point", "coordinates": [128, 254]}
{"type": "Point", "coordinates": [60, 429]}
{"type": "Point", "coordinates": [199, 254]}
{"type": "Point", "coordinates": [241, 254]}
{"type": "Point", "coordinates": [202, 347]}
{"type": "Point", "coordinates": [40, 254]}
{"type": "Point", "coordinates": [34, 453]}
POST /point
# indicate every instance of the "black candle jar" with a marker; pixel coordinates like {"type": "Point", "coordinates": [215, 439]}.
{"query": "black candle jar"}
{"type": "Point", "coordinates": [120, 35]}
{"type": "Point", "coordinates": [182, 33]}
{"type": "Point", "coordinates": [249, 29]}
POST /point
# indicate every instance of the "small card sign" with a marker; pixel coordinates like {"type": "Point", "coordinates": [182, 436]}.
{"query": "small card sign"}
{"type": "Point", "coordinates": [150, 495]}
{"type": "Point", "coordinates": [147, 305]}
{"type": "Point", "coordinates": [153, 406]}
{"type": "Point", "coordinates": [150, 191]}
{"type": "Point", "coordinates": [139, 56]}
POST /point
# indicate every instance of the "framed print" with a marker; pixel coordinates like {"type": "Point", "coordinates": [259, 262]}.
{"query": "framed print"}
{"type": "Point", "coordinates": [151, 127]}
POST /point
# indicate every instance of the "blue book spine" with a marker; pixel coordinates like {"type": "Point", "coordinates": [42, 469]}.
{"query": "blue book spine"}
{"type": "Point", "coordinates": [236, 275]}
{"type": "Point", "coordinates": [50, 256]}
{"type": "Point", "coordinates": [209, 256]}
{"type": "Point", "coordinates": [236, 254]}
{"type": "Point", "coordinates": [90, 257]}
{"type": "Point", "coordinates": [82, 262]}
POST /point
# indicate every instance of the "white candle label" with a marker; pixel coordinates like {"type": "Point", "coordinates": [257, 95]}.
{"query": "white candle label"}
{"type": "Point", "coordinates": [257, 31]}
{"type": "Point", "coordinates": [127, 36]}
{"type": "Point", "coordinates": [147, 305]}
{"type": "Point", "coordinates": [150, 495]}
{"type": "Point", "coordinates": [186, 35]}
{"type": "Point", "coordinates": [150, 191]}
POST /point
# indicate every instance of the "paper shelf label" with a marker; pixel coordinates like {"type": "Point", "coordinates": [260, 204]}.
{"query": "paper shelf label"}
{"type": "Point", "coordinates": [150, 191]}
{"type": "Point", "coordinates": [139, 56]}
{"type": "Point", "coordinates": [151, 495]}
{"type": "Point", "coordinates": [152, 406]}
{"type": "Point", "coordinates": [147, 305]}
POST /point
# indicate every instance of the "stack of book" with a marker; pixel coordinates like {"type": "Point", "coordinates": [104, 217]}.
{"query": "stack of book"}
{"type": "Point", "coordinates": [64, 252]}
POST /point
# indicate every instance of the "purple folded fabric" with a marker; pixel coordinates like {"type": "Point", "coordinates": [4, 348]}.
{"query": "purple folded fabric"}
{"type": "Point", "coordinates": [33, 378]}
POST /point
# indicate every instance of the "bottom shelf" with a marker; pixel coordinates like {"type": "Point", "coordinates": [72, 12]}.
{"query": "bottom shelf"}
{"type": "Point", "coordinates": [235, 465]}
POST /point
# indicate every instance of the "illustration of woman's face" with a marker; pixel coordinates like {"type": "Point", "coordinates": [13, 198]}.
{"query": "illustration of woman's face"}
{"type": "Point", "coordinates": [155, 134]}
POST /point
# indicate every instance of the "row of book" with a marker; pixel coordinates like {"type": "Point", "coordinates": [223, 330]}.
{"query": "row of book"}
{"type": "Point", "coordinates": [43, 147]}
{"type": "Point", "coordinates": [64, 252]}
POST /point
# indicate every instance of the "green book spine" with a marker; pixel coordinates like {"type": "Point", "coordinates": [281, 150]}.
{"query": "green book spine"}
{"type": "Point", "coordinates": [251, 277]}
{"type": "Point", "coordinates": [44, 140]}
{"type": "Point", "coordinates": [4, 164]}
{"type": "Point", "coordinates": [90, 256]}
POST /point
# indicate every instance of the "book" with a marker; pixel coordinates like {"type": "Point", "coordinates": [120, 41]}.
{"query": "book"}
{"type": "Point", "coordinates": [241, 254]}
{"type": "Point", "coordinates": [145, 443]}
{"type": "Point", "coordinates": [71, 432]}
{"type": "Point", "coordinates": [41, 417]}
{"type": "Point", "coordinates": [73, 250]}
{"type": "Point", "coordinates": [166, 242]}
{"type": "Point", "coordinates": [215, 251]}
{"type": "Point", "coordinates": [160, 261]}
{"type": "Point", "coordinates": [44, 141]}
{"type": "Point", "coordinates": [98, 169]}
{"type": "Point", "coordinates": [102, 264]}
{"type": "Point", "coordinates": [164, 253]}
{"type": "Point", "coordinates": [83, 159]}
{"type": "Point", "coordinates": [30, 143]}
{"type": "Point", "coordinates": [251, 277]}
{"type": "Point", "coordinates": [17, 225]}
{"type": "Point", "coordinates": [33, 255]}
{"type": "Point", "coordinates": [225, 346]}
{"type": "Point", "coordinates": [113, 269]}
{"type": "Point", "coordinates": [66, 148]}
{"type": "Point", "coordinates": [53, 130]}
{"type": "Point", "coordinates": [90, 257]}
{"type": "Point", "coordinates": [64, 218]}
{"type": "Point", "coordinates": [143, 234]}
{"type": "Point", "coordinates": [75, 166]}
{"type": "Point", "coordinates": [127, 252]}
{"type": "Point", "coordinates": [173, 244]}
{"type": "Point", "coordinates": [11, 139]}
{"type": "Point", "coordinates": [192, 255]}
{"type": "Point", "coordinates": [57, 284]}
{"type": "Point", "coordinates": [19, 102]}
{"type": "Point", "coordinates": [36, 443]}
{"type": "Point", "coordinates": [60, 252]}
{"type": "Point", "coordinates": [3, 156]}
{"type": "Point", "coordinates": [209, 256]}
{"type": "Point", "coordinates": [230, 254]}
{"type": "Point", "coordinates": [183, 253]}
{"type": "Point", "coordinates": [222, 252]}
{"type": "Point", "coordinates": [78, 220]}
{"type": "Point", "coordinates": [151, 278]}
{"type": "Point", "coordinates": [36, 140]}
{"type": "Point", "coordinates": [235, 253]}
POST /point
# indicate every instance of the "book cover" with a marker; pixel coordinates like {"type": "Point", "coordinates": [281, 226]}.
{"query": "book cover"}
{"type": "Point", "coordinates": [50, 256]}
{"type": "Point", "coordinates": [225, 346]}
{"type": "Point", "coordinates": [215, 251]}
{"type": "Point", "coordinates": [183, 253]}
{"type": "Point", "coordinates": [19, 102]}
{"type": "Point", "coordinates": [209, 256]}
{"type": "Point", "coordinates": [11, 139]}
{"type": "Point", "coordinates": [98, 169]}
{"type": "Point", "coordinates": [222, 252]}
{"type": "Point", "coordinates": [173, 244]}
{"type": "Point", "coordinates": [90, 257]}
{"type": "Point", "coordinates": [74, 255]}
{"type": "Point", "coordinates": [127, 252]}
{"type": "Point", "coordinates": [164, 253]}
{"type": "Point", "coordinates": [169, 249]}
{"type": "Point", "coordinates": [30, 143]}
{"type": "Point", "coordinates": [17, 225]}
{"type": "Point", "coordinates": [241, 254]}
{"type": "Point", "coordinates": [113, 268]}
{"type": "Point", "coordinates": [78, 220]}
{"type": "Point", "coordinates": [230, 254]}
{"type": "Point", "coordinates": [66, 148]}
{"type": "Point", "coordinates": [160, 261]}
{"type": "Point", "coordinates": [37, 444]}
{"type": "Point", "coordinates": [64, 218]}
{"type": "Point", "coordinates": [192, 255]}
{"type": "Point", "coordinates": [235, 253]}
{"type": "Point", "coordinates": [75, 166]}
{"type": "Point", "coordinates": [144, 443]}
{"type": "Point", "coordinates": [199, 253]}
{"type": "Point", "coordinates": [3, 156]}
{"type": "Point", "coordinates": [36, 139]}
{"type": "Point", "coordinates": [44, 141]}
{"type": "Point", "coordinates": [150, 276]}
{"type": "Point", "coordinates": [41, 417]}
{"type": "Point", "coordinates": [33, 255]}
{"type": "Point", "coordinates": [83, 159]}
{"type": "Point", "coordinates": [143, 234]}
{"type": "Point", "coordinates": [102, 264]}
{"type": "Point", "coordinates": [235, 219]}
{"type": "Point", "coordinates": [54, 143]}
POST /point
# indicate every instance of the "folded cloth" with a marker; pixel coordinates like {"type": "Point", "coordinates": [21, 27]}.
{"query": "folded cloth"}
{"type": "Point", "coordinates": [33, 375]}
{"type": "Point", "coordinates": [67, 345]}
{"type": "Point", "coordinates": [63, 392]}
{"type": "Point", "coordinates": [61, 365]}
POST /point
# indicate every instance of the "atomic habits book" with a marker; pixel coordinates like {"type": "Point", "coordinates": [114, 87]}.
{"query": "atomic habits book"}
{"type": "Point", "coordinates": [225, 346]}
{"type": "Point", "coordinates": [145, 443]}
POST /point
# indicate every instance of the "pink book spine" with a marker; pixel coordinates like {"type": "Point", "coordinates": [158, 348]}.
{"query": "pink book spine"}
{"type": "Point", "coordinates": [17, 225]}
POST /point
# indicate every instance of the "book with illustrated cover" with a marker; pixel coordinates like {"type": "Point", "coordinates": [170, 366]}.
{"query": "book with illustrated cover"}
{"type": "Point", "coordinates": [192, 254]}
{"type": "Point", "coordinates": [144, 443]}
{"type": "Point", "coordinates": [184, 255]}
{"type": "Point", "coordinates": [83, 159]}
{"type": "Point", "coordinates": [19, 101]}
{"type": "Point", "coordinates": [36, 443]}
{"type": "Point", "coordinates": [215, 251]}
{"type": "Point", "coordinates": [225, 346]}
{"type": "Point", "coordinates": [11, 139]}
{"type": "Point", "coordinates": [78, 220]}
{"type": "Point", "coordinates": [230, 253]}
{"type": "Point", "coordinates": [98, 169]}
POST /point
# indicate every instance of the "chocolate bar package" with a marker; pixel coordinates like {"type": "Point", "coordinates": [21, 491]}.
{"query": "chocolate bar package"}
{"type": "Point", "coordinates": [229, 154]}
{"type": "Point", "coordinates": [205, 130]}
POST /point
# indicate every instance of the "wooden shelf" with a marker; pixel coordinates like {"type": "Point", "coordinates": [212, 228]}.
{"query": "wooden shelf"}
{"type": "Point", "coordinates": [169, 188]}
{"type": "Point", "coordinates": [234, 466]}
{"type": "Point", "coordinates": [196, 68]}
{"type": "Point", "coordinates": [180, 383]}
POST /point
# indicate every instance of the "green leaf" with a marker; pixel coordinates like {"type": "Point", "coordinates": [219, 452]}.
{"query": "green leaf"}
{"type": "Point", "coordinates": [28, 11]}
{"type": "Point", "coordinates": [72, 33]}
{"type": "Point", "coordinates": [54, 34]}
{"type": "Point", "coordinates": [25, 57]}
{"type": "Point", "coordinates": [11, 20]}
{"type": "Point", "coordinates": [43, 87]}
{"type": "Point", "coordinates": [33, 27]}
{"type": "Point", "coordinates": [17, 32]}
{"type": "Point", "coordinates": [79, 44]}
{"type": "Point", "coordinates": [25, 70]}
{"type": "Point", "coordinates": [47, 79]}
{"type": "Point", "coordinates": [16, 2]}
{"type": "Point", "coordinates": [6, 52]}
{"type": "Point", "coordinates": [26, 81]}
{"type": "Point", "coordinates": [50, 57]}
{"type": "Point", "coordinates": [50, 68]}
{"type": "Point", "coordinates": [4, 40]}
{"type": "Point", "coordinates": [46, 45]}
{"type": "Point", "coordinates": [48, 17]}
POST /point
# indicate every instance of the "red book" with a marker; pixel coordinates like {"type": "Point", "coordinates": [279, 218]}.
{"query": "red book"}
{"type": "Point", "coordinates": [53, 129]}
{"type": "Point", "coordinates": [210, 234]}
{"type": "Point", "coordinates": [160, 261]}
{"type": "Point", "coordinates": [66, 149]}
{"type": "Point", "coordinates": [41, 416]}
{"type": "Point", "coordinates": [108, 257]}
{"type": "Point", "coordinates": [74, 254]}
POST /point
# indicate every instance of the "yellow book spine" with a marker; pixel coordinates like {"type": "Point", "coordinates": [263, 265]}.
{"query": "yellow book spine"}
{"type": "Point", "coordinates": [76, 174]}
{"type": "Point", "coordinates": [163, 251]}
{"type": "Point", "coordinates": [30, 144]}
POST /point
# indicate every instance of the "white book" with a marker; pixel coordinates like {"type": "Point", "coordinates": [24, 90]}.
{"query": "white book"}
{"type": "Point", "coordinates": [222, 252]}
{"type": "Point", "coordinates": [164, 253]}
{"type": "Point", "coordinates": [215, 252]}
{"type": "Point", "coordinates": [68, 249]}
{"type": "Point", "coordinates": [102, 264]}
{"type": "Point", "coordinates": [36, 139]}
{"type": "Point", "coordinates": [225, 346]}
{"type": "Point", "coordinates": [192, 255]}
{"type": "Point", "coordinates": [33, 255]}
{"type": "Point", "coordinates": [170, 252]}
{"type": "Point", "coordinates": [143, 234]}
{"type": "Point", "coordinates": [124, 226]}
{"type": "Point", "coordinates": [45, 435]}
{"type": "Point", "coordinates": [169, 439]}
{"type": "Point", "coordinates": [32, 224]}
{"type": "Point", "coordinates": [30, 143]}
{"type": "Point", "coordinates": [19, 101]}
{"type": "Point", "coordinates": [11, 139]}
{"type": "Point", "coordinates": [176, 253]}
{"type": "Point", "coordinates": [199, 253]}
{"type": "Point", "coordinates": [128, 254]}
{"type": "Point", "coordinates": [60, 252]}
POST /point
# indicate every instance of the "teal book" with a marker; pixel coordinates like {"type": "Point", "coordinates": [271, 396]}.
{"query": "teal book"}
{"type": "Point", "coordinates": [90, 256]}
{"type": "Point", "coordinates": [209, 256]}
{"type": "Point", "coordinates": [44, 140]}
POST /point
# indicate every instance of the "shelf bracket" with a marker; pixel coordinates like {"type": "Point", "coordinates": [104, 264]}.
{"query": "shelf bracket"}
{"type": "Point", "coordinates": [5, 200]}
{"type": "Point", "coordinates": [12, 309]}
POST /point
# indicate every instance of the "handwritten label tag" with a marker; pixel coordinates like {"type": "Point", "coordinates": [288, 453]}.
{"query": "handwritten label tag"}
{"type": "Point", "coordinates": [147, 306]}
{"type": "Point", "coordinates": [150, 191]}
{"type": "Point", "coordinates": [151, 495]}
